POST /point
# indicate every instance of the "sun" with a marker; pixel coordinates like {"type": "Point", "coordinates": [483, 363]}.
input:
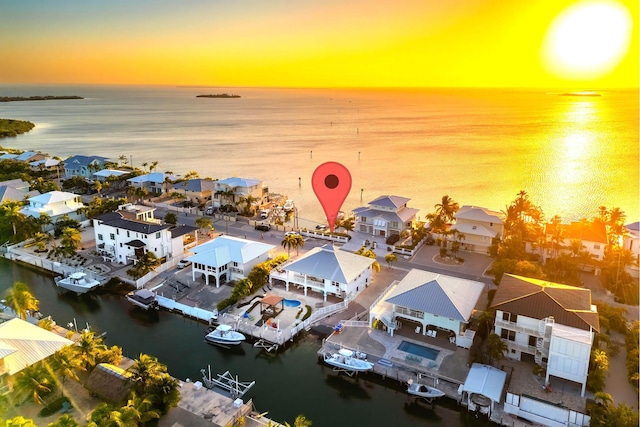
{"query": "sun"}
{"type": "Point", "coordinates": [588, 39]}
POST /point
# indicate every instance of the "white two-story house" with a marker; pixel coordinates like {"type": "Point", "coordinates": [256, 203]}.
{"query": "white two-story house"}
{"type": "Point", "coordinates": [155, 183]}
{"type": "Point", "coordinates": [631, 242]}
{"type": "Point", "coordinates": [552, 323]}
{"type": "Point", "coordinates": [591, 235]}
{"type": "Point", "coordinates": [227, 258]}
{"type": "Point", "coordinates": [55, 204]}
{"type": "Point", "coordinates": [385, 216]}
{"type": "Point", "coordinates": [327, 270]}
{"type": "Point", "coordinates": [230, 191]}
{"type": "Point", "coordinates": [479, 227]}
{"type": "Point", "coordinates": [127, 234]}
{"type": "Point", "coordinates": [428, 301]}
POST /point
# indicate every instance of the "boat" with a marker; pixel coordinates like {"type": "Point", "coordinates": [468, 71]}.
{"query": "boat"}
{"type": "Point", "coordinates": [423, 390]}
{"type": "Point", "coordinates": [143, 298]}
{"type": "Point", "coordinates": [225, 335]}
{"type": "Point", "coordinates": [345, 360]}
{"type": "Point", "coordinates": [288, 205]}
{"type": "Point", "coordinates": [77, 282]}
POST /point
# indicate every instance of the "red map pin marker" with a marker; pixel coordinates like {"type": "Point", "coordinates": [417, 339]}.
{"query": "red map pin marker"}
{"type": "Point", "coordinates": [331, 182]}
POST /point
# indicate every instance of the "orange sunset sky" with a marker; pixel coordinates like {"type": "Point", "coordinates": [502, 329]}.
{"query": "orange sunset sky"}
{"type": "Point", "coordinates": [328, 43]}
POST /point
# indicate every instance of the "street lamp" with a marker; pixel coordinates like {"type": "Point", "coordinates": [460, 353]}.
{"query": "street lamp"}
{"type": "Point", "coordinates": [361, 190]}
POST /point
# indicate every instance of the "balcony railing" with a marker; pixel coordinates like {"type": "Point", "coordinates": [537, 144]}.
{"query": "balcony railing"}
{"type": "Point", "coordinates": [515, 327]}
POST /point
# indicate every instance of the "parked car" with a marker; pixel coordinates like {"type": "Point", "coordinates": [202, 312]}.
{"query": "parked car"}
{"type": "Point", "coordinates": [263, 227]}
{"type": "Point", "coordinates": [321, 227]}
{"type": "Point", "coordinates": [209, 211]}
{"type": "Point", "coordinates": [291, 233]}
{"type": "Point", "coordinates": [264, 214]}
{"type": "Point", "coordinates": [183, 263]}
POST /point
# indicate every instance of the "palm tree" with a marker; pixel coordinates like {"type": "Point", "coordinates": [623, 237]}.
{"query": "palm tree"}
{"type": "Point", "coordinates": [11, 210]}
{"type": "Point", "coordinates": [164, 392]}
{"type": "Point", "coordinates": [71, 240]}
{"type": "Point", "coordinates": [496, 348]}
{"type": "Point", "coordinates": [346, 224]}
{"type": "Point", "coordinates": [20, 421]}
{"type": "Point", "coordinates": [65, 421]}
{"type": "Point", "coordinates": [203, 223]}
{"type": "Point", "coordinates": [557, 237]}
{"type": "Point", "coordinates": [142, 406]}
{"type": "Point", "coordinates": [65, 363]}
{"type": "Point", "coordinates": [88, 347]}
{"type": "Point", "coordinates": [226, 195]}
{"type": "Point", "coordinates": [34, 382]}
{"type": "Point", "coordinates": [43, 221]}
{"type": "Point", "coordinates": [291, 241]}
{"type": "Point", "coordinates": [125, 417]}
{"type": "Point", "coordinates": [248, 201]}
{"type": "Point", "coordinates": [144, 165]}
{"type": "Point", "coordinates": [145, 264]}
{"type": "Point", "coordinates": [369, 254]}
{"type": "Point", "coordinates": [144, 369]}
{"type": "Point", "coordinates": [20, 299]}
{"type": "Point", "coordinates": [152, 166]}
{"type": "Point", "coordinates": [301, 421]}
{"type": "Point", "coordinates": [447, 208]}
{"type": "Point", "coordinates": [123, 159]}
{"type": "Point", "coordinates": [390, 259]}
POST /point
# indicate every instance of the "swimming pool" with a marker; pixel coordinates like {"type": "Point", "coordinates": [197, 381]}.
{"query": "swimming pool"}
{"type": "Point", "coordinates": [418, 350]}
{"type": "Point", "coordinates": [291, 303]}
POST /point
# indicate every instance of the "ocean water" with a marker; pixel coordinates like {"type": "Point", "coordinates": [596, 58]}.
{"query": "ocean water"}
{"type": "Point", "coordinates": [481, 147]}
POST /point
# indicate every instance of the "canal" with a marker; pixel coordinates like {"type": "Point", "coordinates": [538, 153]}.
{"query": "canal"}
{"type": "Point", "coordinates": [289, 383]}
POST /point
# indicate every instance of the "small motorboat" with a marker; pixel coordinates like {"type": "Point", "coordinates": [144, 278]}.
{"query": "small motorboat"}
{"type": "Point", "coordinates": [345, 360]}
{"type": "Point", "coordinates": [423, 390]}
{"type": "Point", "coordinates": [77, 282]}
{"type": "Point", "coordinates": [288, 205]}
{"type": "Point", "coordinates": [143, 298]}
{"type": "Point", "coordinates": [225, 335]}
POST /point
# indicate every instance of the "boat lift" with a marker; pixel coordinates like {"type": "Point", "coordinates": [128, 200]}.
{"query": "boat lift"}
{"type": "Point", "coordinates": [226, 382]}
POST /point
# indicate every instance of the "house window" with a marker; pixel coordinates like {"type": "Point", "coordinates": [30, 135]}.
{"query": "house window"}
{"type": "Point", "coordinates": [509, 317]}
{"type": "Point", "coordinates": [128, 233]}
{"type": "Point", "coordinates": [394, 224]}
{"type": "Point", "coordinates": [100, 237]}
{"type": "Point", "coordinates": [113, 236]}
{"type": "Point", "coordinates": [596, 246]}
{"type": "Point", "coordinates": [532, 340]}
{"type": "Point", "coordinates": [235, 264]}
{"type": "Point", "coordinates": [364, 219]}
{"type": "Point", "coordinates": [118, 232]}
{"type": "Point", "coordinates": [508, 335]}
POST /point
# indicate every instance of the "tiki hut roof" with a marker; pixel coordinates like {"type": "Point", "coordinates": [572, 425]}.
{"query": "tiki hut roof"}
{"type": "Point", "coordinates": [110, 383]}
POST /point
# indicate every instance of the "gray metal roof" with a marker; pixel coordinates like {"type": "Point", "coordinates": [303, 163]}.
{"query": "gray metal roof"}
{"type": "Point", "coordinates": [438, 294]}
{"type": "Point", "coordinates": [330, 263]}
{"type": "Point", "coordinates": [114, 219]}
{"type": "Point", "coordinates": [390, 201]}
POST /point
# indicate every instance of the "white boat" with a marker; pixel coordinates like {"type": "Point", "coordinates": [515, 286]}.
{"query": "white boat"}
{"type": "Point", "coordinates": [345, 360]}
{"type": "Point", "coordinates": [77, 282]}
{"type": "Point", "coordinates": [143, 298]}
{"type": "Point", "coordinates": [224, 334]}
{"type": "Point", "coordinates": [423, 390]}
{"type": "Point", "coordinates": [288, 205]}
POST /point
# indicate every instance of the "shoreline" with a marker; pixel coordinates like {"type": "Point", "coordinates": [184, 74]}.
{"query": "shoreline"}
{"type": "Point", "coordinates": [38, 98]}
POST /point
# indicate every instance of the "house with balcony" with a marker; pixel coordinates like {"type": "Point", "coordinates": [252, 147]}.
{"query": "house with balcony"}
{"type": "Point", "coordinates": [592, 237]}
{"type": "Point", "coordinates": [155, 183]}
{"type": "Point", "coordinates": [328, 271]}
{"type": "Point", "coordinates": [127, 234]}
{"type": "Point", "coordinates": [428, 301]}
{"type": "Point", "coordinates": [83, 166]}
{"type": "Point", "coordinates": [551, 323]}
{"type": "Point", "coordinates": [385, 216]}
{"type": "Point", "coordinates": [479, 227]}
{"type": "Point", "coordinates": [230, 191]}
{"type": "Point", "coordinates": [197, 191]}
{"type": "Point", "coordinates": [227, 258]}
{"type": "Point", "coordinates": [55, 204]}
